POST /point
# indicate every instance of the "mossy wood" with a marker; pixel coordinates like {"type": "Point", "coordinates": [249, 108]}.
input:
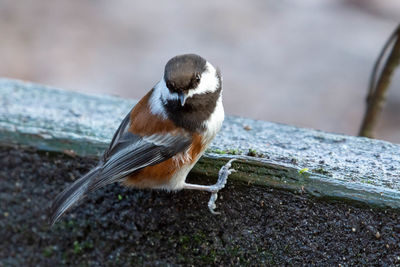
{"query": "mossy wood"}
{"type": "Point", "coordinates": [270, 154]}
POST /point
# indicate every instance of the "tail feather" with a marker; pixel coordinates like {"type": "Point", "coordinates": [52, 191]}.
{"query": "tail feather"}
{"type": "Point", "coordinates": [72, 194]}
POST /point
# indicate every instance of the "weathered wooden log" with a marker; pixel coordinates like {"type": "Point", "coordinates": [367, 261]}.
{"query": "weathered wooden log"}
{"type": "Point", "coordinates": [281, 156]}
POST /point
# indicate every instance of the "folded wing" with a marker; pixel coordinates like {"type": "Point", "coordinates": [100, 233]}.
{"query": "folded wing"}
{"type": "Point", "coordinates": [127, 154]}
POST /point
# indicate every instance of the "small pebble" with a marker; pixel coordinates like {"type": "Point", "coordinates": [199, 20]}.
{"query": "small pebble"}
{"type": "Point", "coordinates": [247, 127]}
{"type": "Point", "coordinates": [72, 177]}
{"type": "Point", "coordinates": [70, 152]}
{"type": "Point", "coordinates": [378, 235]}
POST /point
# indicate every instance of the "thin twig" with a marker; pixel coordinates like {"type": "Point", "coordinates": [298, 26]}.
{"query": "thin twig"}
{"type": "Point", "coordinates": [373, 80]}
{"type": "Point", "coordinates": [378, 87]}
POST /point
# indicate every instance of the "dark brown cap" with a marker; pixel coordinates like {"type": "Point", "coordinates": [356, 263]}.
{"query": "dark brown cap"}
{"type": "Point", "coordinates": [183, 72]}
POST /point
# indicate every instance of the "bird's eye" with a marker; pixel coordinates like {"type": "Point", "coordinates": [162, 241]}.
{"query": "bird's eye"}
{"type": "Point", "coordinates": [198, 78]}
{"type": "Point", "coordinates": [170, 85]}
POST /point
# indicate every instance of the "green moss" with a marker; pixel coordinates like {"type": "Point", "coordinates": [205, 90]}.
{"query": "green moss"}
{"type": "Point", "coordinates": [218, 151]}
{"type": "Point", "coordinates": [304, 170]}
{"type": "Point", "coordinates": [184, 241]}
{"type": "Point", "coordinates": [79, 247]}
{"type": "Point", "coordinates": [232, 151]}
{"type": "Point", "coordinates": [48, 251]}
{"type": "Point", "coordinates": [70, 223]}
{"type": "Point", "coordinates": [252, 152]}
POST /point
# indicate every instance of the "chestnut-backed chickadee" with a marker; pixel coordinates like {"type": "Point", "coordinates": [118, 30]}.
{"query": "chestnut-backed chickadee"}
{"type": "Point", "coordinates": [162, 137]}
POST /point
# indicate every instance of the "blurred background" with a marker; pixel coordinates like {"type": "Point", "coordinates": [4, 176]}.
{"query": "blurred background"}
{"type": "Point", "coordinates": [305, 63]}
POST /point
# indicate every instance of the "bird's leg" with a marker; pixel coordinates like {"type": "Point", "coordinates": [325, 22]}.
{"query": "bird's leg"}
{"type": "Point", "coordinates": [213, 189]}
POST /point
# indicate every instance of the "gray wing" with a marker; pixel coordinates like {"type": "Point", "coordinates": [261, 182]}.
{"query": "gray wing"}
{"type": "Point", "coordinates": [122, 129]}
{"type": "Point", "coordinates": [126, 154]}
{"type": "Point", "coordinates": [131, 153]}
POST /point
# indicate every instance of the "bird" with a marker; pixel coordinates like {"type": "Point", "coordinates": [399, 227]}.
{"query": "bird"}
{"type": "Point", "coordinates": [162, 137]}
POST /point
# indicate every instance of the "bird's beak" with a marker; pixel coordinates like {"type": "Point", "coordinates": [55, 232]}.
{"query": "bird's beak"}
{"type": "Point", "coordinates": [182, 98]}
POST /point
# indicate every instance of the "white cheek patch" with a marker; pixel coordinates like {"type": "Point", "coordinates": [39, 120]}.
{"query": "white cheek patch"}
{"type": "Point", "coordinates": [209, 82]}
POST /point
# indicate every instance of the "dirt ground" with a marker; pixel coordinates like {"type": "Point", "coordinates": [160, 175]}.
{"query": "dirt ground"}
{"type": "Point", "coordinates": [119, 226]}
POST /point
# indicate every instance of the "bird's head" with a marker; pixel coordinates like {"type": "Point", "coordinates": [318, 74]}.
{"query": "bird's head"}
{"type": "Point", "coordinates": [188, 75]}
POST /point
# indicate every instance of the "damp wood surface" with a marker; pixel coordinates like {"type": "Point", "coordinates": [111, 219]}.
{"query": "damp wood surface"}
{"type": "Point", "coordinates": [322, 164]}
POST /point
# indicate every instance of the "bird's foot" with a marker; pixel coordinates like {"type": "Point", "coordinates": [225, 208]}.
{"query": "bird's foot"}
{"type": "Point", "coordinates": [223, 174]}
{"type": "Point", "coordinates": [213, 189]}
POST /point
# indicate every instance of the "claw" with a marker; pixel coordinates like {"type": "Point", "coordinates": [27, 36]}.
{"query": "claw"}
{"type": "Point", "coordinates": [211, 203]}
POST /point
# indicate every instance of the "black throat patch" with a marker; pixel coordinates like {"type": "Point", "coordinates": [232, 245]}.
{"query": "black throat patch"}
{"type": "Point", "coordinates": [195, 112]}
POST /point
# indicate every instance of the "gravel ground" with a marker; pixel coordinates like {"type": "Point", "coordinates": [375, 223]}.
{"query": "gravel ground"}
{"type": "Point", "coordinates": [119, 226]}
